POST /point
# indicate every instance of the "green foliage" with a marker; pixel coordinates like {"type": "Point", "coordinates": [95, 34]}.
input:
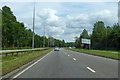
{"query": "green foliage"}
{"type": "Point", "coordinates": [98, 53]}
{"type": "Point", "coordinates": [84, 35]}
{"type": "Point", "coordinates": [11, 63]}
{"type": "Point", "coordinates": [102, 37]}
{"type": "Point", "coordinates": [98, 35]}
{"type": "Point", "coordinates": [0, 29]}
{"type": "Point", "coordinates": [105, 38]}
{"type": "Point", "coordinates": [70, 44]}
{"type": "Point", "coordinates": [15, 34]}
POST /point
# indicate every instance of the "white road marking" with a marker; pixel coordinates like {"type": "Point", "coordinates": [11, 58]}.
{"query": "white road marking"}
{"type": "Point", "coordinates": [65, 53]}
{"type": "Point", "coordinates": [68, 55]}
{"type": "Point", "coordinates": [74, 59]}
{"type": "Point", "coordinates": [0, 78]}
{"type": "Point", "coordinates": [31, 65]}
{"type": "Point", "coordinates": [91, 69]}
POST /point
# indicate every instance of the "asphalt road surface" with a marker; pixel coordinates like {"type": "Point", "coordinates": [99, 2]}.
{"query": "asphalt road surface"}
{"type": "Point", "coordinates": [70, 64]}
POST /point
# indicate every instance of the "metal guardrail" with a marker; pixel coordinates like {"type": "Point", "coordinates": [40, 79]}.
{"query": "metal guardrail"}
{"type": "Point", "coordinates": [6, 52]}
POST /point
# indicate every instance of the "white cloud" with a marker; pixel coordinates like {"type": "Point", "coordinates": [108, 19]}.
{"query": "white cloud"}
{"type": "Point", "coordinates": [57, 30]}
{"type": "Point", "coordinates": [106, 16]}
{"type": "Point", "coordinates": [65, 21]}
{"type": "Point", "coordinates": [48, 14]}
{"type": "Point", "coordinates": [53, 23]}
{"type": "Point", "coordinates": [87, 20]}
{"type": "Point", "coordinates": [72, 25]}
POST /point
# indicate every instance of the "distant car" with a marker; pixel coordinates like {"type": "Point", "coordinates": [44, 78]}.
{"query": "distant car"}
{"type": "Point", "coordinates": [56, 49]}
{"type": "Point", "coordinates": [73, 47]}
{"type": "Point", "coordinates": [70, 47]}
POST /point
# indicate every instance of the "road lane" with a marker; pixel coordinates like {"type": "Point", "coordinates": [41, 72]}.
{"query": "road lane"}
{"type": "Point", "coordinates": [107, 68]}
{"type": "Point", "coordinates": [59, 65]}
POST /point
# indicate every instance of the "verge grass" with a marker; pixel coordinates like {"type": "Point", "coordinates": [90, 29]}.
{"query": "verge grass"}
{"type": "Point", "coordinates": [98, 53]}
{"type": "Point", "coordinates": [11, 63]}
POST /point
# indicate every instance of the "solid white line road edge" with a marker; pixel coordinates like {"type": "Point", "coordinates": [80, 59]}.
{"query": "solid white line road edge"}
{"type": "Point", "coordinates": [31, 65]}
{"type": "Point", "coordinates": [91, 69]}
{"type": "Point", "coordinates": [74, 59]}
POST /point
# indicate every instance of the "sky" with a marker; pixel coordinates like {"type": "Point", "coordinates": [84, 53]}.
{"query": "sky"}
{"type": "Point", "coordinates": [64, 20]}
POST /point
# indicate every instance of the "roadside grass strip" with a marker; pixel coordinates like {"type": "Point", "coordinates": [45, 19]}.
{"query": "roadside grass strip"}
{"type": "Point", "coordinates": [11, 63]}
{"type": "Point", "coordinates": [98, 53]}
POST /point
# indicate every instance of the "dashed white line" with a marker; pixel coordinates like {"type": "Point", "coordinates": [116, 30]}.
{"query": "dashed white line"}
{"type": "Point", "coordinates": [0, 78]}
{"type": "Point", "coordinates": [65, 53]}
{"type": "Point", "coordinates": [31, 66]}
{"type": "Point", "coordinates": [74, 59]}
{"type": "Point", "coordinates": [68, 55]}
{"type": "Point", "coordinates": [91, 69]}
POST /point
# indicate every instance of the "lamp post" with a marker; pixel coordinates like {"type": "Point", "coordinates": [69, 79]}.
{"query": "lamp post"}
{"type": "Point", "coordinates": [33, 26]}
{"type": "Point", "coordinates": [44, 36]}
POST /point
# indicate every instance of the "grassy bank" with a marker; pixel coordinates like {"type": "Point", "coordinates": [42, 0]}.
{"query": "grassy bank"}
{"type": "Point", "coordinates": [10, 62]}
{"type": "Point", "coordinates": [98, 53]}
{"type": "Point", "coordinates": [15, 48]}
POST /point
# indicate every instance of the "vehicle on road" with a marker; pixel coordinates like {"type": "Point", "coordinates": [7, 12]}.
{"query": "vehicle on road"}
{"type": "Point", "coordinates": [72, 47]}
{"type": "Point", "coordinates": [56, 49]}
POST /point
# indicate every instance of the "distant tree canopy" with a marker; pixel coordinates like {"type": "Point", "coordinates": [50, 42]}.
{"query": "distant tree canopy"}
{"type": "Point", "coordinates": [70, 44]}
{"type": "Point", "coordinates": [84, 35]}
{"type": "Point", "coordinates": [102, 37]}
{"type": "Point", "coordinates": [15, 34]}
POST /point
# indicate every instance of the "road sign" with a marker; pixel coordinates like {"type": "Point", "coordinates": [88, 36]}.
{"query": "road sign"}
{"type": "Point", "coordinates": [86, 41]}
{"type": "Point", "coordinates": [82, 45]}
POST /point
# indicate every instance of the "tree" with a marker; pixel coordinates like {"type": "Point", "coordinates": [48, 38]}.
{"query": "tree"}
{"type": "Point", "coordinates": [0, 29]}
{"type": "Point", "coordinates": [84, 35]}
{"type": "Point", "coordinates": [63, 43]}
{"type": "Point", "coordinates": [115, 37]}
{"type": "Point", "coordinates": [8, 20]}
{"type": "Point", "coordinates": [15, 34]}
{"type": "Point", "coordinates": [98, 35]}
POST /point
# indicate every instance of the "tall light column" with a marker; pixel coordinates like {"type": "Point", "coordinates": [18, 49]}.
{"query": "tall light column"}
{"type": "Point", "coordinates": [44, 36]}
{"type": "Point", "coordinates": [33, 26]}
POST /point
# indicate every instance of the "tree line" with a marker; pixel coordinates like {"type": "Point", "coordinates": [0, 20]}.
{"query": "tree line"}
{"type": "Point", "coordinates": [102, 37]}
{"type": "Point", "coordinates": [15, 34]}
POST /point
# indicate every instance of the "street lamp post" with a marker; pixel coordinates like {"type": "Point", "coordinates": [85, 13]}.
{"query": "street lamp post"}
{"type": "Point", "coordinates": [33, 26]}
{"type": "Point", "coordinates": [44, 37]}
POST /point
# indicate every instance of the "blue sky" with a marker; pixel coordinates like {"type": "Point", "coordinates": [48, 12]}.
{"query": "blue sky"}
{"type": "Point", "coordinates": [64, 20]}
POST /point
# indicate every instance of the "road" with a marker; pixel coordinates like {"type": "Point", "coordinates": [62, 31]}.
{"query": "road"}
{"type": "Point", "coordinates": [70, 64]}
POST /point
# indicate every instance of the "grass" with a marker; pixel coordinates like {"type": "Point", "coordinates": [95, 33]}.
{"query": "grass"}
{"type": "Point", "coordinates": [11, 63]}
{"type": "Point", "coordinates": [110, 50]}
{"type": "Point", "coordinates": [98, 53]}
{"type": "Point", "coordinates": [14, 48]}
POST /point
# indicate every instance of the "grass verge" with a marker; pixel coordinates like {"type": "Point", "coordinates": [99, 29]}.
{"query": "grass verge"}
{"type": "Point", "coordinates": [11, 63]}
{"type": "Point", "coordinates": [97, 53]}
{"type": "Point", "coordinates": [15, 48]}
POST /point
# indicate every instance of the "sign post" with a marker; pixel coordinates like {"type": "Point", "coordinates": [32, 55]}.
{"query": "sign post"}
{"type": "Point", "coordinates": [86, 41]}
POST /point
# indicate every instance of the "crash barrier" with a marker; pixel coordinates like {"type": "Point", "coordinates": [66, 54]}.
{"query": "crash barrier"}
{"type": "Point", "coordinates": [12, 52]}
